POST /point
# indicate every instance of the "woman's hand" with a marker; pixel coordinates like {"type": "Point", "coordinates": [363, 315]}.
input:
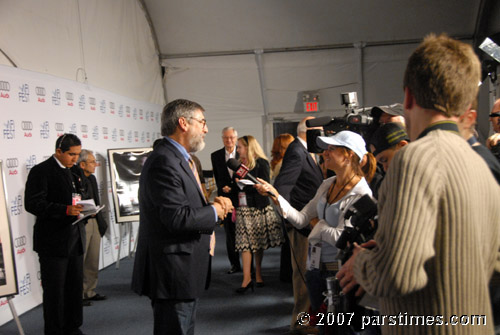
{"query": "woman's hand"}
{"type": "Point", "coordinates": [266, 189]}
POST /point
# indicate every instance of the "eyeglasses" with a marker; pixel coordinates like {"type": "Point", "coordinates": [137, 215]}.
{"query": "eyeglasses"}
{"type": "Point", "coordinates": [202, 121]}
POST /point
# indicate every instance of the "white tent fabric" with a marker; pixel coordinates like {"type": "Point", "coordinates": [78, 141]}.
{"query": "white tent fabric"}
{"type": "Point", "coordinates": [228, 87]}
{"type": "Point", "coordinates": [108, 43]}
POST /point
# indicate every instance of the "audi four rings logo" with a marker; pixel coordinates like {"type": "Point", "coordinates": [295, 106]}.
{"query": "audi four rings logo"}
{"type": "Point", "coordinates": [40, 91]}
{"type": "Point", "coordinates": [69, 96]}
{"type": "Point", "coordinates": [20, 241]}
{"type": "Point", "coordinates": [27, 125]}
{"type": "Point", "coordinates": [59, 126]}
{"type": "Point", "coordinates": [12, 163]}
{"type": "Point", "coordinates": [4, 86]}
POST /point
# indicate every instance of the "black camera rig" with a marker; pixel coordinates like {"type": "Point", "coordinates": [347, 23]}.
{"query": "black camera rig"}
{"type": "Point", "coordinates": [355, 119]}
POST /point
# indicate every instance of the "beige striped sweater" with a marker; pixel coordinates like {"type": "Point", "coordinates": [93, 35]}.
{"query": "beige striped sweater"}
{"type": "Point", "coordinates": [437, 241]}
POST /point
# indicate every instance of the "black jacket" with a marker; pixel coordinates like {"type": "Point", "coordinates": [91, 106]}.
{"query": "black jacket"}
{"type": "Point", "coordinates": [48, 192]}
{"type": "Point", "coordinates": [254, 199]}
{"type": "Point", "coordinates": [221, 175]}
{"type": "Point", "coordinates": [94, 194]}
{"type": "Point", "coordinates": [172, 258]}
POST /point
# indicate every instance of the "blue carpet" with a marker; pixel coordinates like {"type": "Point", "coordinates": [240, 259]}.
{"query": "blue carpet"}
{"type": "Point", "coordinates": [221, 310]}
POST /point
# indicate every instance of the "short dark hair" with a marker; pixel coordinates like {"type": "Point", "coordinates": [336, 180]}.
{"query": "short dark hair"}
{"type": "Point", "coordinates": [173, 111]}
{"type": "Point", "coordinates": [66, 141]}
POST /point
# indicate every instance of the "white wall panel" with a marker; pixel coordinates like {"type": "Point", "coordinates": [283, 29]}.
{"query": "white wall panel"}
{"type": "Point", "coordinates": [35, 109]}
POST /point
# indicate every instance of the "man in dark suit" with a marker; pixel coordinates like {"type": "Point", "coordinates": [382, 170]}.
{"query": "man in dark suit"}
{"type": "Point", "coordinates": [52, 190]}
{"type": "Point", "coordinates": [94, 229]}
{"type": "Point", "coordinates": [172, 262]}
{"type": "Point", "coordinates": [297, 182]}
{"type": "Point", "coordinates": [225, 183]}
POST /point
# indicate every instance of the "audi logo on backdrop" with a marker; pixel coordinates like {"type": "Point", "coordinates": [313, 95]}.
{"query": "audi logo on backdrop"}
{"type": "Point", "coordinates": [59, 126]}
{"type": "Point", "coordinates": [40, 91]}
{"type": "Point", "coordinates": [12, 163]}
{"type": "Point", "coordinates": [27, 125]}
{"type": "Point", "coordinates": [20, 241]}
{"type": "Point", "coordinates": [4, 86]}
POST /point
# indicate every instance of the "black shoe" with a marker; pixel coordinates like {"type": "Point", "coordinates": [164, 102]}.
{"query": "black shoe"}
{"type": "Point", "coordinates": [260, 284]}
{"type": "Point", "coordinates": [234, 269]}
{"type": "Point", "coordinates": [97, 297]}
{"type": "Point", "coordinates": [86, 303]}
{"type": "Point", "coordinates": [243, 289]}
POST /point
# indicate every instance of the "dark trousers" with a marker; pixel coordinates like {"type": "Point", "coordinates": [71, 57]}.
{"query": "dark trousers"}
{"type": "Point", "coordinates": [174, 317]}
{"type": "Point", "coordinates": [62, 283]}
{"type": "Point", "coordinates": [232, 254]}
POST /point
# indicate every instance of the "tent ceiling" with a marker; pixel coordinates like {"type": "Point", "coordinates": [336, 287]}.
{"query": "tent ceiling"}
{"type": "Point", "coordinates": [194, 27]}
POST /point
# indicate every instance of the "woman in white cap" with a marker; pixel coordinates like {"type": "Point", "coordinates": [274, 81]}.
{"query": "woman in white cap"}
{"type": "Point", "coordinates": [344, 154]}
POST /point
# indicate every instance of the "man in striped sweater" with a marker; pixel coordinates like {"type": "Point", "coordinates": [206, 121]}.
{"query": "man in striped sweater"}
{"type": "Point", "coordinates": [438, 239]}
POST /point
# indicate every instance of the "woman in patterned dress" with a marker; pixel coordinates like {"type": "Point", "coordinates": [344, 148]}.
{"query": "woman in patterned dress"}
{"type": "Point", "coordinates": [257, 225]}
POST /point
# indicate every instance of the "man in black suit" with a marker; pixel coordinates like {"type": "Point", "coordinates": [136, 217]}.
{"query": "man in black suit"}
{"type": "Point", "coordinates": [172, 262]}
{"type": "Point", "coordinates": [225, 183]}
{"type": "Point", "coordinates": [94, 229]}
{"type": "Point", "coordinates": [52, 190]}
{"type": "Point", "coordinates": [297, 182]}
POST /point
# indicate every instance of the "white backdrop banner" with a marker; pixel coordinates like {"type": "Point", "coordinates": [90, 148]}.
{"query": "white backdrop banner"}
{"type": "Point", "coordinates": [35, 109]}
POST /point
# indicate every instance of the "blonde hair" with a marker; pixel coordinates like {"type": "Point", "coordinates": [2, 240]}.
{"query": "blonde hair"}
{"type": "Point", "coordinates": [492, 140]}
{"type": "Point", "coordinates": [280, 144]}
{"type": "Point", "coordinates": [254, 150]}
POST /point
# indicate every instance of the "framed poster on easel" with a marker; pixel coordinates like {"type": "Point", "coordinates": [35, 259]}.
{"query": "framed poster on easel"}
{"type": "Point", "coordinates": [8, 276]}
{"type": "Point", "coordinates": [125, 166]}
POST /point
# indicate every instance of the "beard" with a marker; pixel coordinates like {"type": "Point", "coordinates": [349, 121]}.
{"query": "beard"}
{"type": "Point", "coordinates": [196, 143]}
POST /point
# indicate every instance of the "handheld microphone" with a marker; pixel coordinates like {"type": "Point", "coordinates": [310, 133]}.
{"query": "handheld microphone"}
{"type": "Point", "coordinates": [242, 171]}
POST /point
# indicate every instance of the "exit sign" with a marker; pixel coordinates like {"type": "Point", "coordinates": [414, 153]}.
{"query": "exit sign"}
{"type": "Point", "coordinates": [311, 101]}
{"type": "Point", "coordinates": [312, 106]}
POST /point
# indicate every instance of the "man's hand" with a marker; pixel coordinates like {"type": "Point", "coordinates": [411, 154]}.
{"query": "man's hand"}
{"type": "Point", "coordinates": [226, 189]}
{"type": "Point", "coordinates": [346, 272]}
{"type": "Point", "coordinates": [313, 221]}
{"type": "Point", "coordinates": [74, 210]}
{"type": "Point", "coordinates": [223, 206]}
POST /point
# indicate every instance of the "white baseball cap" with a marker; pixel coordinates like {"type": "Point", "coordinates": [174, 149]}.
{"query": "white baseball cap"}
{"type": "Point", "coordinates": [345, 138]}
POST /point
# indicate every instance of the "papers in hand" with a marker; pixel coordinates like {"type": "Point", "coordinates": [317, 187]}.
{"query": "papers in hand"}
{"type": "Point", "coordinates": [88, 205]}
{"type": "Point", "coordinates": [89, 209]}
{"type": "Point", "coordinates": [244, 182]}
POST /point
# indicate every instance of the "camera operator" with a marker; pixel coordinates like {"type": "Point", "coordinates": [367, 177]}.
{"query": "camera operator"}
{"type": "Point", "coordinates": [386, 141]}
{"type": "Point", "coordinates": [343, 154]}
{"type": "Point", "coordinates": [438, 237]}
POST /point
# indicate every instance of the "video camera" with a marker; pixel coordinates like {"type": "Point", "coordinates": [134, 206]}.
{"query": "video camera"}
{"type": "Point", "coordinates": [363, 215]}
{"type": "Point", "coordinates": [355, 119]}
